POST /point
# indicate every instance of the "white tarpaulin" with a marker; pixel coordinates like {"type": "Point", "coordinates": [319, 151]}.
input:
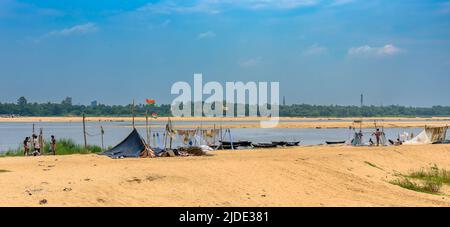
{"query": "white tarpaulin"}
{"type": "Point", "coordinates": [429, 135]}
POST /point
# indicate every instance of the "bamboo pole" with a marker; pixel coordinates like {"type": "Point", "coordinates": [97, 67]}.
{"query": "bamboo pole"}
{"type": "Point", "coordinates": [32, 139]}
{"type": "Point", "coordinates": [102, 132]}
{"type": "Point", "coordinates": [41, 140]}
{"type": "Point", "coordinates": [146, 127]}
{"type": "Point", "coordinates": [150, 130]}
{"type": "Point", "coordinates": [84, 131]}
{"type": "Point", "coordinates": [171, 130]}
{"type": "Point", "coordinates": [132, 112]}
{"type": "Point", "coordinates": [214, 134]}
{"type": "Point", "coordinates": [165, 138]}
{"type": "Point", "coordinates": [147, 147]}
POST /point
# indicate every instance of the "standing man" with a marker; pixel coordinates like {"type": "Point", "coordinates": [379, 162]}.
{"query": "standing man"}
{"type": "Point", "coordinates": [53, 145]}
{"type": "Point", "coordinates": [377, 135]}
{"type": "Point", "coordinates": [36, 145]}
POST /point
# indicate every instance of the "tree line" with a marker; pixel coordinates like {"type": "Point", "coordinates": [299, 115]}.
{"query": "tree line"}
{"type": "Point", "coordinates": [66, 108]}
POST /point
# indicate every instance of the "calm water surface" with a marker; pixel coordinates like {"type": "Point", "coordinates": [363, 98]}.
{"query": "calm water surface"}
{"type": "Point", "coordinates": [12, 134]}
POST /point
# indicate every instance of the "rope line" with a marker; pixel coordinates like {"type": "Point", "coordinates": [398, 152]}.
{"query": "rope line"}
{"type": "Point", "coordinates": [98, 134]}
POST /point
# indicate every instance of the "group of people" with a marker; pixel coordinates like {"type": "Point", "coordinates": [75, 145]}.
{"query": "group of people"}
{"type": "Point", "coordinates": [358, 138]}
{"type": "Point", "coordinates": [379, 139]}
{"type": "Point", "coordinates": [35, 143]}
{"type": "Point", "coordinates": [378, 134]}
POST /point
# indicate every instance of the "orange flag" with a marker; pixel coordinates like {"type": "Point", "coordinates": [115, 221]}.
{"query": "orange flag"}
{"type": "Point", "coordinates": [150, 101]}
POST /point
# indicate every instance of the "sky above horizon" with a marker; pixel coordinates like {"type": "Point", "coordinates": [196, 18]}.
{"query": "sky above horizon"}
{"type": "Point", "coordinates": [321, 51]}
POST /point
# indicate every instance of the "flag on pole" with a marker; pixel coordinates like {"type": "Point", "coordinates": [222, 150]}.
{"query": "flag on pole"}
{"type": "Point", "coordinates": [150, 101]}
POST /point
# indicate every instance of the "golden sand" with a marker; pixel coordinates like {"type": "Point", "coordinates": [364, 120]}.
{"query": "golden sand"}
{"type": "Point", "coordinates": [303, 176]}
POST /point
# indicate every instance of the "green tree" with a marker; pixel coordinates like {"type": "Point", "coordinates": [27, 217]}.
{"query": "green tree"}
{"type": "Point", "coordinates": [22, 101]}
{"type": "Point", "coordinates": [67, 101]}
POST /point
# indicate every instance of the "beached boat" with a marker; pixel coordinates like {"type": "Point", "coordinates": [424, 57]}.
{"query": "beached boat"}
{"type": "Point", "coordinates": [292, 144]}
{"type": "Point", "coordinates": [334, 142]}
{"type": "Point", "coordinates": [279, 143]}
{"type": "Point", "coordinates": [236, 144]}
{"type": "Point", "coordinates": [286, 144]}
{"type": "Point", "coordinates": [442, 142]}
{"type": "Point", "coordinates": [224, 147]}
{"type": "Point", "coordinates": [264, 145]}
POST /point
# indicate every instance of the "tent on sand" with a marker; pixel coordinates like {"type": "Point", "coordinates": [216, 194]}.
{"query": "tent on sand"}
{"type": "Point", "coordinates": [131, 147]}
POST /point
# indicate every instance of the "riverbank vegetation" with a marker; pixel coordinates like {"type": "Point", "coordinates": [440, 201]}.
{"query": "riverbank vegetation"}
{"type": "Point", "coordinates": [66, 108]}
{"type": "Point", "coordinates": [63, 147]}
{"type": "Point", "coordinates": [428, 180]}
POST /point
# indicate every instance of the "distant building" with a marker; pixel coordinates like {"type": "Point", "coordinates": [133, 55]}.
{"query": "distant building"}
{"type": "Point", "coordinates": [362, 100]}
{"type": "Point", "coordinates": [94, 103]}
{"type": "Point", "coordinates": [284, 100]}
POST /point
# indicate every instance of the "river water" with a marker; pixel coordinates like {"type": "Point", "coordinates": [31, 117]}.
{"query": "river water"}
{"type": "Point", "coordinates": [12, 134]}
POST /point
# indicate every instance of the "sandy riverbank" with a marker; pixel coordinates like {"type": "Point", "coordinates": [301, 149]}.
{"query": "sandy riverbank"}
{"type": "Point", "coordinates": [253, 122]}
{"type": "Point", "coordinates": [304, 176]}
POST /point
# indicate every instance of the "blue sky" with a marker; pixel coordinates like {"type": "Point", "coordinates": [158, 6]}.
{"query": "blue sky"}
{"type": "Point", "coordinates": [321, 51]}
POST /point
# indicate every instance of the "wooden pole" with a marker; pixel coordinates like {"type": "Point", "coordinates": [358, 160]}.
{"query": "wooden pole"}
{"type": "Point", "coordinates": [84, 131]}
{"type": "Point", "coordinates": [41, 140]}
{"type": "Point", "coordinates": [132, 112]}
{"type": "Point", "coordinates": [150, 130]}
{"type": "Point", "coordinates": [165, 138]}
{"type": "Point", "coordinates": [146, 127]}
{"type": "Point", "coordinates": [214, 135]}
{"type": "Point", "coordinates": [168, 125]}
{"type": "Point", "coordinates": [102, 132]}
{"type": "Point", "coordinates": [32, 139]}
{"type": "Point", "coordinates": [170, 130]}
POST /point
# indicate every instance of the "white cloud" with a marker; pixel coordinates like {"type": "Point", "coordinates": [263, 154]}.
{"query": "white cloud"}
{"type": "Point", "coordinates": [387, 50]}
{"type": "Point", "coordinates": [168, 7]}
{"type": "Point", "coordinates": [13, 9]}
{"type": "Point", "coordinates": [206, 35]}
{"type": "Point", "coordinates": [444, 7]}
{"type": "Point", "coordinates": [315, 50]}
{"type": "Point", "coordinates": [217, 6]}
{"type": "Point", "coordinates": [80, 29]}
{"type": "Point", "coordinates": [166, 23]}
{"type": "Point", "coordinates": [75, 30]}
{"type": "Point", "coordinates": [341, 2]}
{"type": "Point", "coordinates": [249, 63]}
{"type": "Point", "coordinates": [277, 4]}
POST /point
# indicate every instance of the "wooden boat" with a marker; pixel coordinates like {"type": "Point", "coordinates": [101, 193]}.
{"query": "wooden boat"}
{"type": "Point", "coordinates": [237, 143]}
{"type": "Point", "coordinates": [334, 142]}
{"type": "Point", "coordinates": [286, 144]}
{"type": "Point", "coordinates": [442, 142]}
{"type": "Point", "coordinates": [264, 145]}
{"type": "Point", "coordinates": [225, 147]}
{"type": "Point", "coordinates": [280, 143]}
{"type": "Point", "coordinates": [292, 144]}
